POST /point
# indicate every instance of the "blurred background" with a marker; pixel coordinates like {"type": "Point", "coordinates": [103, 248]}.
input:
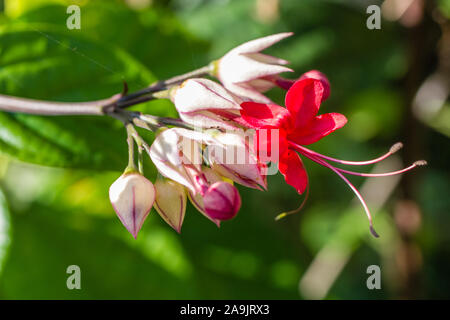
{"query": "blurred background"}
{"type": "Point", "coordinates": [392, 84]}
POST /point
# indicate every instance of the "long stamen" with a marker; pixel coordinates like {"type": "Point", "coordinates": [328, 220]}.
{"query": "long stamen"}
{"type": "Point", "coordinates": [418, 163]}
{"type": "Point", "coordinates": [392, 150]}
{"type": "Point", "coordinates": [284, 214]}
{"type": "Point", "coordinates": [385, 174]}
{"type": "Point", "coordinates": [357, 193]}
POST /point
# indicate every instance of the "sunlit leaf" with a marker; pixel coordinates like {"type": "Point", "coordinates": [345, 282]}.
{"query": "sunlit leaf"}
{"type": "Point", "coordinates": [47, 64]}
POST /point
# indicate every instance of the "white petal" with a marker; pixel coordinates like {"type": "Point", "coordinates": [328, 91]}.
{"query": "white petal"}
{"type": "Point", "coordinates": [241, 68]}
{"type": "Point", "coordinates": [170, 142]}
{"type": "Point", "coordinates": [261, 85]}
{"type": "Point", "coordinates": [247, 93]}
{"type": "Point", "coordinates": [202, 94]}
{"type": "Point", "coordinates": [234, 159]}
{"type": "Point", "coordinates": [165, 147]}
{"type": "Point", "coordinates": [207, 120]}
{"type": "Point", "coordinates": [198, 136]}
{"type": "Point", "coordinates": [264, 58]}
{"type": "Point", "coordinates": [260, 43]}
{"type": "Point", "coordinates": [231, 174]}
{"type": "Point", "coordinates": [173, 172]}
{"type": "Point", "coordinates": [175, 148]}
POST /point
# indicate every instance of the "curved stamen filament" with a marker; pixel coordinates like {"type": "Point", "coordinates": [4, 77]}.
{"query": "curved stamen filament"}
{"type": "Point", "coordinates": [284, 214]}
{"type": "Point", "coordinates": [385, 174]}
{"type": "Point", "coordinates": [393, 150]}
{"type": "Point", "coordinates": [305, 151]}
{"type": "Point", "coordinates": [357, 193]}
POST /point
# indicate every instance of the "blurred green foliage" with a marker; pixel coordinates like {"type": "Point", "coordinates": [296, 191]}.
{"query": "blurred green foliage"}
{"type": "Point", "coordinates": [60, 214]}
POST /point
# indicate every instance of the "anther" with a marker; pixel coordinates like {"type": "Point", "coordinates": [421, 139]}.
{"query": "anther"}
{"type": "Point", "coordinates": [396, 147]}
{"type": "Point", "coordinates": [373, 232]}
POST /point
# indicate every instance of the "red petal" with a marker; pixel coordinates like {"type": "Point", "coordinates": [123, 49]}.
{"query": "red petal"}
{"type": "Point", "coordinates": [320, 127]}
{"type": "Point", "coordinates": [259, 115]}
{"type": "Point", "coordinates": [315, 74]}
{"type": "Point", "coordinates": [303, 100]}
{"type": "Point", "coordinates": [269, 147]}
{"type": "Point", "coordinates": [291, 166]}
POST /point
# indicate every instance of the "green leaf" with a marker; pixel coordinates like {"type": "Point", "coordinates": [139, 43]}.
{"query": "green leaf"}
{"type": "Point", "coordinates": [53, 65]}
{"type": "Point", "coordinates": [154, 35]}
{"type": "Point", "coordinates": [15, 8]}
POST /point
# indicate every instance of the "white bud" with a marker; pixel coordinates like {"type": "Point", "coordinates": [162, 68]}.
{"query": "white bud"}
{"type": "Point", "coordinates": [132, 197]}
{"type": "Point", "coordinates": [170, 202]}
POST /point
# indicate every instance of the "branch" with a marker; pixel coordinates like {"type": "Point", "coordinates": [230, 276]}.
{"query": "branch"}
{"type": "Point", "coordinates": [99, 107]}
{"type": "Point", "coordinates": [163, 85]}
{"type": "Point", "coordinates": [23, 105]}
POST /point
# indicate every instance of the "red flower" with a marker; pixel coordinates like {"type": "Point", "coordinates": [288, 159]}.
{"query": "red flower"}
{"type": "Point", "coordinates": [298, 125]}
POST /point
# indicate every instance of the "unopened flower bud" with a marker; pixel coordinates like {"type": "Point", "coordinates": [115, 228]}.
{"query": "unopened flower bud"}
{"type": "Point", "coordinates": [197, 199]}
{"type": "Point", "coordinates": [222, 201]}
{"type": "Point", "coordinates": [170, 202]}
{"type": "Point", "coordinates": [132, 197]}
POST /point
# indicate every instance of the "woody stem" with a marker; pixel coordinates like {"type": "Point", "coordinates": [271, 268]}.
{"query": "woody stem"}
{"type": "Point", "coordinates": [97, 107]}
{"type": "Point", "coordinates": [48, 108]}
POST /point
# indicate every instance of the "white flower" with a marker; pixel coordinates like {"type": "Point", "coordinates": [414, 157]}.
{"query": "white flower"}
{"type": "Point", "coordinates": [177, 154]}
{"type": "Point", "coordinates": [234, 158]}
{"type": "Point", "coordinates": [206, 104]}
{"type": "Point", "coordinates": [245, 71]}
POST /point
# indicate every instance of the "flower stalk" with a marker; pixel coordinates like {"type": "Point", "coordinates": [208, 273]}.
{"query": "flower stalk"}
{"type": "Point", "coordinates": [49, 108]}
{"type": "Point", "coordinates": [101, 107]}
{"type": "Point", "coordinates": [165, 84]}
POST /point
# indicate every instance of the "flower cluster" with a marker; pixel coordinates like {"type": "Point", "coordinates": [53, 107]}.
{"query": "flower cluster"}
{"type": "Point", "coordinates": [229, 132]}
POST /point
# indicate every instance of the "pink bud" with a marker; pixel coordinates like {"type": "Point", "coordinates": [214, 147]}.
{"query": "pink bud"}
{"type": "Point", "coordinates": [197, 199]}
{"type": "Point", "coordinates": [222, 201]}
{"type": "Point", "coordinates": [132, 197]}
{"type": "Point", "coordinates": [315, 74]}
